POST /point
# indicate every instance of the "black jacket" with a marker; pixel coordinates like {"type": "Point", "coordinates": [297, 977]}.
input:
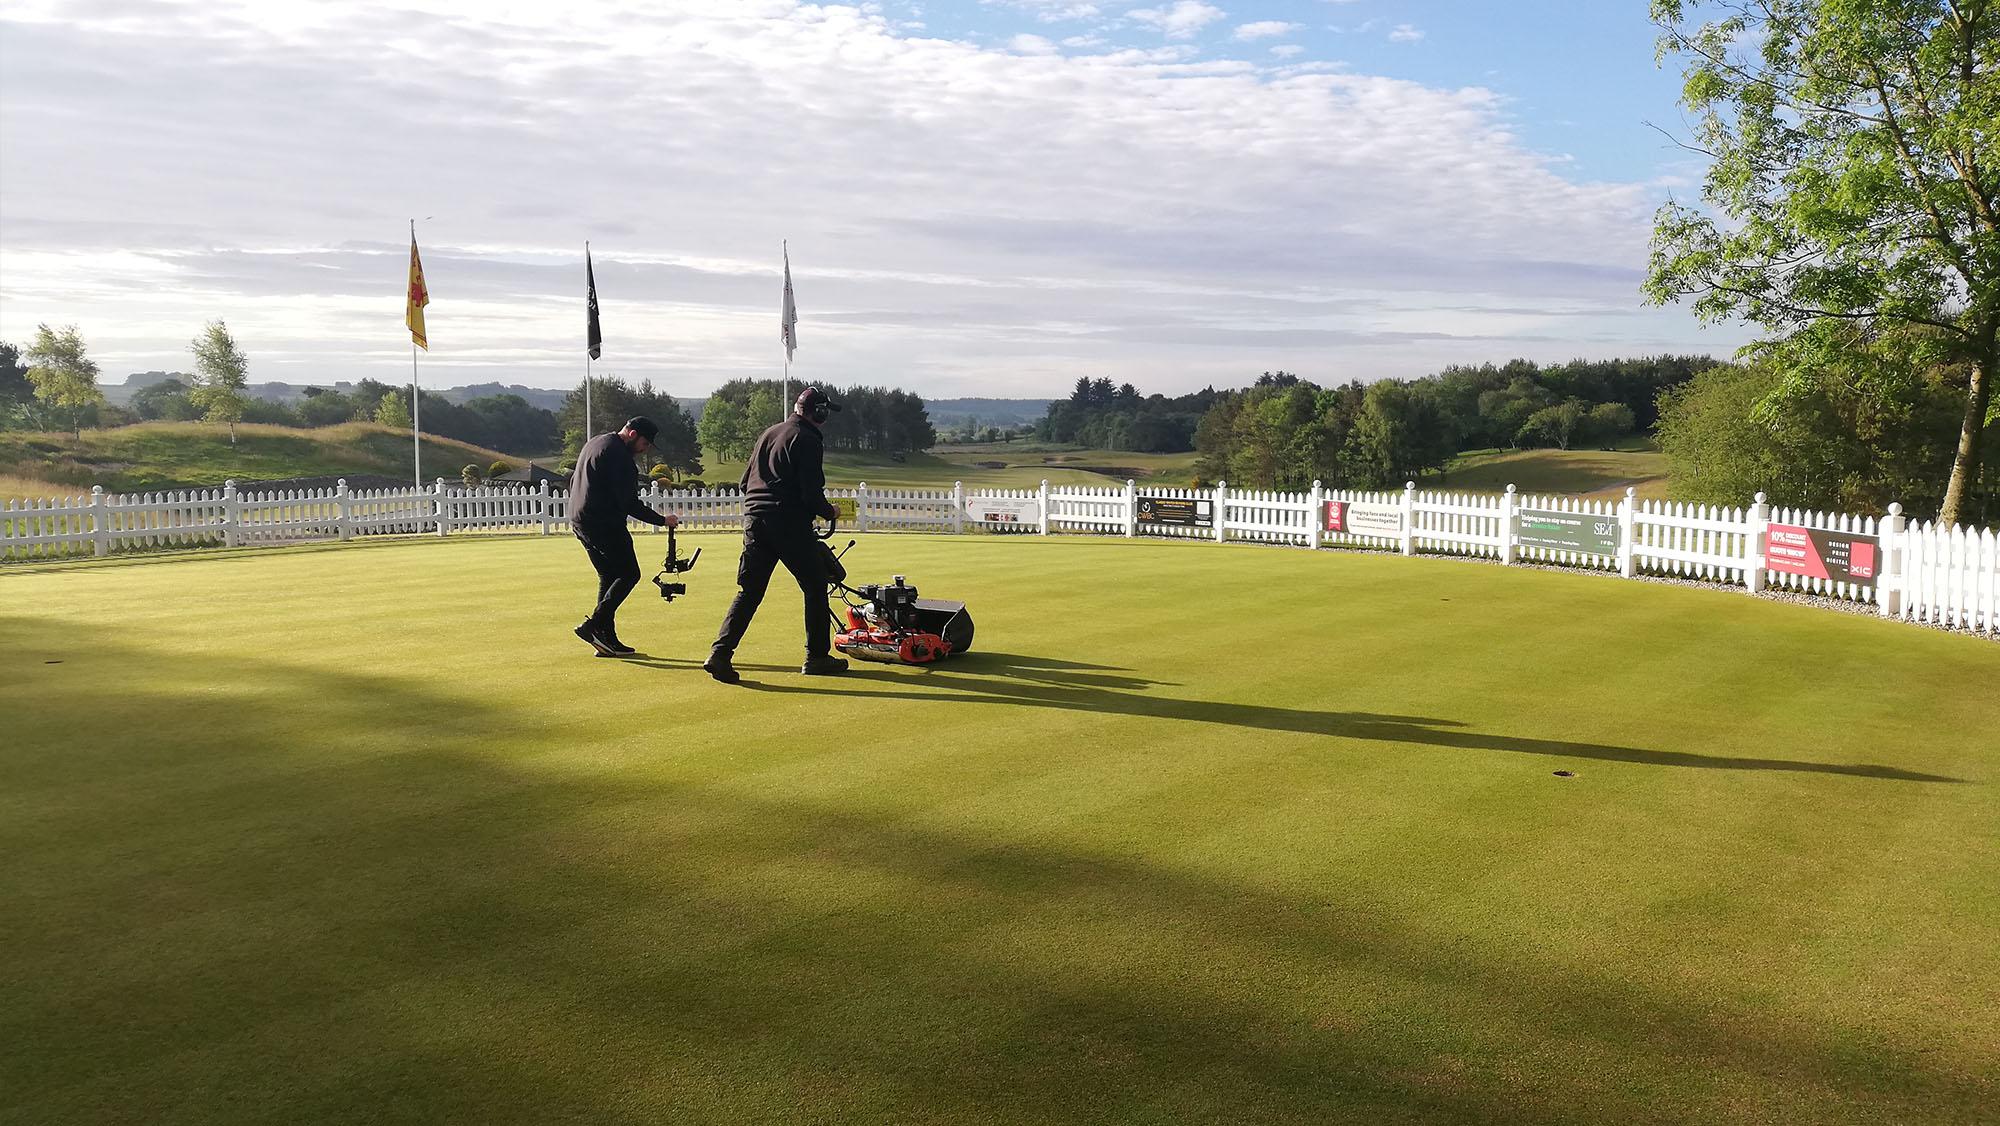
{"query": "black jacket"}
{"type": "Point", "coordinates": [785, 477]}
{"type": "Point", "coordinates": [604, 489]}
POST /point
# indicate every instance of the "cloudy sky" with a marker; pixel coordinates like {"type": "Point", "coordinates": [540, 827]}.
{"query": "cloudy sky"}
{"type": "Point", "coordinates": [981, 198]}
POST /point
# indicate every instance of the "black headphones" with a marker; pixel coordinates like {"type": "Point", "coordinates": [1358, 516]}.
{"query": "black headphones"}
{"type": "Point", "coordinates": [820, 410]}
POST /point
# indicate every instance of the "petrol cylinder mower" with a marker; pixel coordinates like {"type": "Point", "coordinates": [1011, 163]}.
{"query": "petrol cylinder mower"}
{"type": "Point", "coordinates": [889, 622]}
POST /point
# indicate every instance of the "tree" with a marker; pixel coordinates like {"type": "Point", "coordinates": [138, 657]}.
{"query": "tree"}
{"type": "Point", "coordinates": [1553, 426]}
{"type": "Point", "coordinates": [1850, 441]}
{"type": "Point", "coordinates": [220, 373]}
{"type": "Point", "coordinates": [722, 429]}
{"type": "Point", "coordinates": [167, 400]}
{"type": "Point", "coordinates": [613, 401]}
{"type": "Point", "coordinates": [16, 393]}
{"type": "Point", "coordinates": [1854, 164]}
{"type": "Point", "coordinates": [64, 378]}
{"type": "Point", "coordinates": [393, 410]}
{"type": "Point", "coordinates": [1608, 422]}
{"type": "Point", "coordinates": [470, 477]}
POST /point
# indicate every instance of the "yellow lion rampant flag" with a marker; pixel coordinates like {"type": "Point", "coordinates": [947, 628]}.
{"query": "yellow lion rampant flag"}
{"type": "Point", "coordinates": [420, 296]}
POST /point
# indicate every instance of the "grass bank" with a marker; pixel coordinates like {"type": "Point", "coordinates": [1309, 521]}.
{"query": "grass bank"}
{"type": "Point", "coordinates": [166, 455]}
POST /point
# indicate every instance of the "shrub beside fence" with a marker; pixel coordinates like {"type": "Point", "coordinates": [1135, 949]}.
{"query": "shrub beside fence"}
{"type": "Point", "coordinates": [1912, 570]}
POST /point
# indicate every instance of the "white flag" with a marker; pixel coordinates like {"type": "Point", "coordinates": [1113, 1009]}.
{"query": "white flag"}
{"type": "Point", "coordinates": [788, 321]}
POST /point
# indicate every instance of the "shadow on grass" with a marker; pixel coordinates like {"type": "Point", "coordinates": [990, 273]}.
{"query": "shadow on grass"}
{"type": "Point", "coordinates": [1001, 678]}
{"type": "Point", "coordinates": [265, 891]}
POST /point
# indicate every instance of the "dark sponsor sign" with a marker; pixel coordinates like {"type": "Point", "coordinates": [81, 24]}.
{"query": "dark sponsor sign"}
{"type": "Point", "coordinates": [1190, 512]}
{"type": "Point", "coordinates": [1793, 549]}
{"type": "Point", "coordinates": [1583, 532]}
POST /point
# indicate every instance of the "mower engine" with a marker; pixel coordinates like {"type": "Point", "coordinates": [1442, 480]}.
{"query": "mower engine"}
{"type": "Point", "coordinates": [889, 622]}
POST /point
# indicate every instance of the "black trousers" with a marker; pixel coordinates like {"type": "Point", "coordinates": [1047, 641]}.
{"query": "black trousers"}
{"type": "Point", "coordinates": [610, 551]}
{"type": "Point", "coordinates": [767, 543]}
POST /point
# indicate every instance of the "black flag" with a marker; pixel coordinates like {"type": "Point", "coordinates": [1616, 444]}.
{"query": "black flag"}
{"type": "Point", "coordinates": [593, 335]}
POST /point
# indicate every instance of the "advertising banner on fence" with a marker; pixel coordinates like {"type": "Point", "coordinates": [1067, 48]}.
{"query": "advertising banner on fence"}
{"type": "Point", "coordinates": [1364, 518]}
{"type": "Point", "coordinates": [1192, 512]}
{"type": "Point", "coordinates": [1584, 532]}
{"type": "Point", "coordinates": [1792, 549]}
{"type": "Point", "coordinates": [1003, 510]}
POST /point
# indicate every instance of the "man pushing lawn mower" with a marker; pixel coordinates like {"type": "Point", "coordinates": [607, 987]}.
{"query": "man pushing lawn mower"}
{"type": "Point", "coordinates": [784, 487]}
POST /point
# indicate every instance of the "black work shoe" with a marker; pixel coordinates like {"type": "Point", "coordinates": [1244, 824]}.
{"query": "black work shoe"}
{"type": "Point", "coordinates": [718, 666]}
{"type": "Point", "coordinates": [820, 664]}
{"type": "Point", "coordinates": [609, 635]}
{"type": "Point", "coordinates": [595, 640]}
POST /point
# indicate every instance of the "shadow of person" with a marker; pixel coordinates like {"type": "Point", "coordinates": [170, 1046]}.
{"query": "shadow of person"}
{"type": "Point", "coordinates": [1008, 680]}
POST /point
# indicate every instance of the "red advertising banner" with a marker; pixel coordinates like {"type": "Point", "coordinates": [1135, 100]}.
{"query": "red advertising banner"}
{"type": "Point", "coordinates": [1793, 549]}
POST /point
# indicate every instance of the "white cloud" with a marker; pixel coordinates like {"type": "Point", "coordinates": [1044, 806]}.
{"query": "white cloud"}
{"type": "Point", "coordinates": [1288, 50]}
{"type": "Point", "coordinates": [1032, 45]}
{"type": "Point", "coordinates": [1405, 33]}
{"type": "Point", "coordinates": [1264, 29]}
{"type": "Point", "coordinates": [962, 219]}
{"type": "Point", "coordinates": [1181, 20]}
{"type": "Point", "coordinates": [1052, 11]}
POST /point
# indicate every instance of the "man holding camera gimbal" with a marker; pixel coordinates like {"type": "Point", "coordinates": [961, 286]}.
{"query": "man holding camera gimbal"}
{"type": "Point", "coordinates": [603, 491]}
{"type": "Point", "coordinates": [784, 487]}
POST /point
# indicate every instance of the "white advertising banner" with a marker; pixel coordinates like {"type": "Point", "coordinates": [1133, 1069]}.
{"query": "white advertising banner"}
{"type": "Point", "coordinates": [1003, 510]}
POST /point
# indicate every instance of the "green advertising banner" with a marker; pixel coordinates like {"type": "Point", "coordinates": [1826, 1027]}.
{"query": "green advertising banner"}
{"type": "Point", "coordinates": [1582, 532]}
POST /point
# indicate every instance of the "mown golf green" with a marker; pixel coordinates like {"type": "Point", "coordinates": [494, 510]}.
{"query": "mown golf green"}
{"type": "Point", "coordinates": [1202, 834]}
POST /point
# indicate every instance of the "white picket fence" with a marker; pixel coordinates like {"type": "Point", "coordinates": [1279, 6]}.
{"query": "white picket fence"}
{"type": "Point", "coordinates": [1916, 571]}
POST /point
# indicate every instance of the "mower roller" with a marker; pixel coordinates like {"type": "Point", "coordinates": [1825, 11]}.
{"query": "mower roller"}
{"type": "Point", "coordinates": [889, 622]}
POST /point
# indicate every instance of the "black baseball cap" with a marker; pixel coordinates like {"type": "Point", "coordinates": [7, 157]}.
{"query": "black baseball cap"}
{"type": "Point", "coordinates": [644, 427]}
{"type": "Point", "coordinates": [813, 397]}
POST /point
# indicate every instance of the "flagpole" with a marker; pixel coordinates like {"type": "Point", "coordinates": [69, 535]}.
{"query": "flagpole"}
{"type": "Point", "coordinates": [785, 335]}
{"type": "Point", "coordinates": [416, 416]}
{"type": "Point", "coordinates": [416, 426]}
{"type": "Point", "coordinates": [586, 353]}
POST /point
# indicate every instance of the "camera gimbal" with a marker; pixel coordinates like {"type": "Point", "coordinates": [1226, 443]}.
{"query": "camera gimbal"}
{"type": "Point", "coordinates": [674, 565]}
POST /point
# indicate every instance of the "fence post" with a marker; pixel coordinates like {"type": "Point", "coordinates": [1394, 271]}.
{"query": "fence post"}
{"type": "Point", "coordinates": [1045, 506]}
{"type": "Point", "coordinates": [1760, 531]}
{"type": "Point", "coordinates": [232, 511]}
{"type": "Point", "coordinates": [542, 503]}
{"type": "Point", "coordinates": [958, 508]}
{"type": "Point", "coordinates": [1889, 582]}
{"type": "Point", "coordinates": [1409, 544]}
{"type": "Point", "coordinates": [343, 510]}
{"type": "Point", "coordinates": [1510, 525]}
{"type": "Point", "coordinates": [100, 526]}
{"type": "Point", "coordinates": [861, 507]}
{"type": "Point", "coordinates": [439, 501]}
{"type": "Point", "coordinates": [1628, 529]}
{"type": "Point", "coordinates": [1131, 509]}
{"type": "Point", "coordinates": [1315, 515]}
{"type": "Point", "coordinates": [1222, 512]}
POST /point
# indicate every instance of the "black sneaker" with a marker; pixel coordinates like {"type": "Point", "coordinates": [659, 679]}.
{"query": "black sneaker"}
{"type": "Point", "coordinates": [609, 635]}
{"type": "Point", "coordinates": [718, 666]}
{"type": "Point", "coordinates": [821, 664]}
{"type": "Point", "coordinates": [595, 640]}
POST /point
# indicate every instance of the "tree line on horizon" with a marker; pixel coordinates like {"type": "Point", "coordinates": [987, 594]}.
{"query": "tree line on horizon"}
{"type": "Point", "coordinates": [885, 420]}
{"type": "Point", "coordinates": [1284, 432]}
